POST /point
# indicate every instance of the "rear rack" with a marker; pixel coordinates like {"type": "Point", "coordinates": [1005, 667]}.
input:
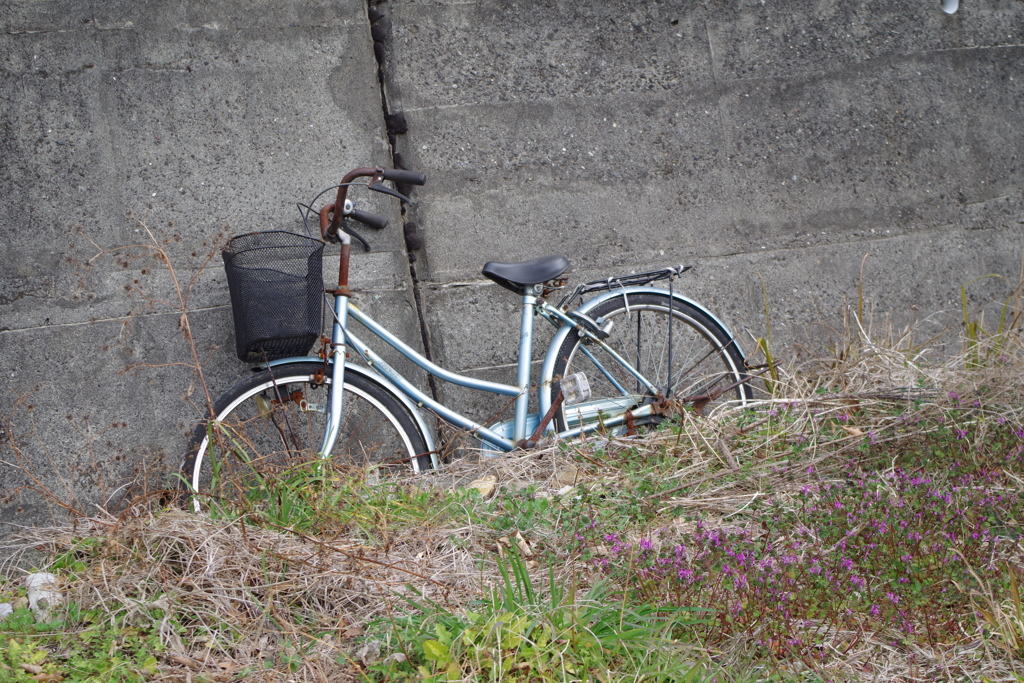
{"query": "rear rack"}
{"type": "Point", "coordinates": [636, 280]}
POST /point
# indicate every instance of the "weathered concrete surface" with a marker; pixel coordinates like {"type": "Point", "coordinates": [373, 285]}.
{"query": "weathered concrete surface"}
{"type": "Point", "coordinates": [772, 145]}
{"type": "Point", "coordinates": [760, 141]}
{"type": "Point", "coordinates": [195, 120]}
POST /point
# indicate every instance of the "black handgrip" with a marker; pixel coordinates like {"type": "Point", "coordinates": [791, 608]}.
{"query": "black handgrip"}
{"type": "Point", "coordinates": [407, 177]}
{"type": "Point", "coordinates": [371, 219]}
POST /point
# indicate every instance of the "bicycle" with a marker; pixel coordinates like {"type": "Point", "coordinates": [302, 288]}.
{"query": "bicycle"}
{"type": "Point", "coordinates": [627, 356]}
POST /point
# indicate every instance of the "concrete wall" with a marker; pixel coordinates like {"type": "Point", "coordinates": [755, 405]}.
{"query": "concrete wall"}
{"type": "Point", "coordinates": [194, 120]}
{"type": "Point", "coordinates": [760, 141]}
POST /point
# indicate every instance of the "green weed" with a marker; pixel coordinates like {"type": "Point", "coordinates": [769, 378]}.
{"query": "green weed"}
{"type": "Point", "coordinates": [521, 633]}
{"type": "Point", "coordinates": [102, 647]}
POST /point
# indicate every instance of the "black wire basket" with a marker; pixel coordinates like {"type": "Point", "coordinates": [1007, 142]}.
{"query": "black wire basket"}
{"type": "Point", "coordinates": [277, 285]}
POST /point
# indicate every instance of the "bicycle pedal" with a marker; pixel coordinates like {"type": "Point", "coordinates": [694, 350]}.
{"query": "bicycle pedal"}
{"type": "Point", "coordinates": [575, 388]}
{"type": "Point", "coordinates": [264, 405]}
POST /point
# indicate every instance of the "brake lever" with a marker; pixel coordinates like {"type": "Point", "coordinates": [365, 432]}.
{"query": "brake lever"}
{"type": "Point", "coordinates": [384, 189]}
{"type": "Point", "coordinates": [347, 227]}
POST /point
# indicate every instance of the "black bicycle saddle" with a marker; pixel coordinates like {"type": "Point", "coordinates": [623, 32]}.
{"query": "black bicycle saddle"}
{"type": "Point", "coordinates": [517, 276]}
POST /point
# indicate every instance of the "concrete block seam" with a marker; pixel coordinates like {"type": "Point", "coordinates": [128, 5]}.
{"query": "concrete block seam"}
{"type": "Point", "coordinates": [396, 124]}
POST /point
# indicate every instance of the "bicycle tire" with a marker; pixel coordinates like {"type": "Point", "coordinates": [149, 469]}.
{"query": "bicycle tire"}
{"type": "Point", "coordinates": [274, 420]}
{"type": "Point", "coordinates": [704, 357]}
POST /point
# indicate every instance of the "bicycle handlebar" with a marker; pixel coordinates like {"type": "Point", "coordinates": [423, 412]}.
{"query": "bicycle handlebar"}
{"type": "Point", "coordinates": [330, 219]}
{"type": "Point", "coordinates": [371, 219]}
{"type": "Point", "coordinates": [402, 176]}
{"type": "Point", "coordinates": [332, 215]}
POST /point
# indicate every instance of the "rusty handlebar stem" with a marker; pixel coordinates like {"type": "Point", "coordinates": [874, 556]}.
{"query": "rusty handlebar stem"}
{"type": "Point", "coordinates": [325, 222]}
{"type": "Point", "coordinates": [346, 247]}
{"type": "Point", "coordinates": [329, 225]}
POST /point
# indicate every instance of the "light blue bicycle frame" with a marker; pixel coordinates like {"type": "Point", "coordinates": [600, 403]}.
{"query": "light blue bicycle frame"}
{"type": "Point", "coordinates": [415, 400]}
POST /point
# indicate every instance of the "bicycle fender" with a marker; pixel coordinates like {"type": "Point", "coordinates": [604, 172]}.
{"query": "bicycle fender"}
{"type": "Point", "coordinates": [551, 356]}
{"type": "Point", "coordinates": [380, 379]}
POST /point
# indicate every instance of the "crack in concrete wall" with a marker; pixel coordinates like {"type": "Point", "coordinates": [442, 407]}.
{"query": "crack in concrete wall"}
{"type": "Point", "coordinates": [395, 125]}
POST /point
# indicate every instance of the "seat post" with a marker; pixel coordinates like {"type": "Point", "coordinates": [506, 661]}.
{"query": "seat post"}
{"type": "Point", "coordinates": [525, 357]}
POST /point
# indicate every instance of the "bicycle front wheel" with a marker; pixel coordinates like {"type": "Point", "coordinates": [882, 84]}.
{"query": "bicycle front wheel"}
{"type": "Point", "coordinates": [672, 343]}
{"type": "Point", "coordinates": [273, 422]}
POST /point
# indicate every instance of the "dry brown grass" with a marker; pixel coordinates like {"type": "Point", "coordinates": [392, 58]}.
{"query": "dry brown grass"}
{"type": "Point", "coordinates": [242, 592]}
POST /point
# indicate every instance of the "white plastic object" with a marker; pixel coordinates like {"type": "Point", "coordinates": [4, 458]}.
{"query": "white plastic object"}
{"type": "Point", "coordinates": [43, 593]}
{"type": "Point", "coordinates": [950, 6]}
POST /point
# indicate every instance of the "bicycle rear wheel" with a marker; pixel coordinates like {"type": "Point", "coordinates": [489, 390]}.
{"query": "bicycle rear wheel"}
{"type": "Point", "coordinates": [273, 422]}
{"type": "Point", "coordinates": [705, 360]}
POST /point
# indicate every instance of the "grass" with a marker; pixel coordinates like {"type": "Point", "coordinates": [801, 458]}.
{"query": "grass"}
{"type": "Point", "coordinates": [861, 523]}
